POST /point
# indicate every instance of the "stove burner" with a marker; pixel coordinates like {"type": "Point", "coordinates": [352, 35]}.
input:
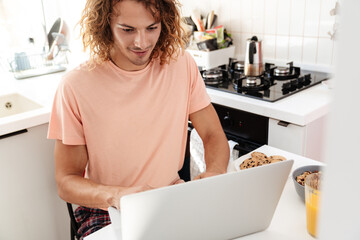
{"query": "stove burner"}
{"type": "Point", "coordinates": [239, 67]}
{"type": "Point", "coordinates": [213, 76]}
{"type": "Point", "coordinates": [253, 81]}
{"type": "Point", "coordinates": [281, 71]}
{"type": "Point", "coordinates": [251, 84]}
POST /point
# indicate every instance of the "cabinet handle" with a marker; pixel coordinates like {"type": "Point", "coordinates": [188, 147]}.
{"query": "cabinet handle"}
{"type": "Point", "coordinates": [283, 123]}
{"type": "Point", "coordinates": [13, 133]}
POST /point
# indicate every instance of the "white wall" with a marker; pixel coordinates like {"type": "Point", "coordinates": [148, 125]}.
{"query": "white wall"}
{"type": "Point", "coordinates": [340, 208]}
{"type": "Point", "coordinates": [294, 30]}
{"type": "Point", "coordinates": [18, 24]}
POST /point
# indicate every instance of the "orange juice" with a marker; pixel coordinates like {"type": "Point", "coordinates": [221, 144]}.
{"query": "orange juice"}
{"type": "Point", "coordinates": [312, 200]}
{"type": "Point", "coordinates": [311, 203]}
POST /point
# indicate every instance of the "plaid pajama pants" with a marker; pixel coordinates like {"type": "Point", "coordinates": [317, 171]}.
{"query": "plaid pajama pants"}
{"type": "Point", "coordinates": [90, 220]}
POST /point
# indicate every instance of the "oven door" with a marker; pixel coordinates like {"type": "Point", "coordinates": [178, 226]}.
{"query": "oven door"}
{"type": "Point", "coordinates": [249, 130]}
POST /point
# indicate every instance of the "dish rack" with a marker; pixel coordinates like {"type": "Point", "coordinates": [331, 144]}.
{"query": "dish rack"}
{"type": "Point", "coordinates": [25, 65]}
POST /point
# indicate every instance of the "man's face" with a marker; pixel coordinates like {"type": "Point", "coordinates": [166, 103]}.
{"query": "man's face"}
{"type": "Point", "coordinates": [135, 33]}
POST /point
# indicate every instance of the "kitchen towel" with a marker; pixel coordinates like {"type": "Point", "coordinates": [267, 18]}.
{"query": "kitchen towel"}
{"type": "Point", "coordinates": [197, 161]}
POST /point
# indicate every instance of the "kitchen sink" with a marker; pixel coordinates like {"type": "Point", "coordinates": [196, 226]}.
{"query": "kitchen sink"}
{"type": "Point", "coordinates": [15, 103]}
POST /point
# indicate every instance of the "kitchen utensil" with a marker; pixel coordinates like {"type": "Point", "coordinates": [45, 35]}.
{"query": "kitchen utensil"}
{"type": "Point", "coordinates": [189, 21]}
{"type": "Point", "coordinates": [206, 22]}
{"type": "Point", "coordinates": [196, 17]}
{"type": "Point", "coordinates": [253, 57]}
{"type": "Point", "coordinates": [213, 21]}
{"type": "Point", "coordinates": [203, 23]}
{"type": "Point", "coordinates": [210, 19]}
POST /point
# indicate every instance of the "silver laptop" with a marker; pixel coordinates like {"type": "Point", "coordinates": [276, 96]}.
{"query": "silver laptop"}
{"type": "Point", "coordinates": [221, 207]}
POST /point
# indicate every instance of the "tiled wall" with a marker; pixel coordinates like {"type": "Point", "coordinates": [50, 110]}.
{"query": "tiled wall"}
{"type": "Point", "coordinates": [294, 30]}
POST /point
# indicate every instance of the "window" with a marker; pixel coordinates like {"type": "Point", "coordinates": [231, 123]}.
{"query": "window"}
{"type": "Point", "coordinates": [19, 21]}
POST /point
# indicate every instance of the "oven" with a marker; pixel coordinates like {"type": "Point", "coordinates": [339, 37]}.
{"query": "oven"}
{"type": "Point", "coordinates": [248, 130]}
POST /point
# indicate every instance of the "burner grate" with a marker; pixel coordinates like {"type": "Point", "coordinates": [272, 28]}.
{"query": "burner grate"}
{"type": "Point", "coordinates": [251, 84]}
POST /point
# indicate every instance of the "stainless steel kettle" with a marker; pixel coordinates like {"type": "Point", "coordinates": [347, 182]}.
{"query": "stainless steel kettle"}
{"type": "Point", "coordinates": [253, 63]}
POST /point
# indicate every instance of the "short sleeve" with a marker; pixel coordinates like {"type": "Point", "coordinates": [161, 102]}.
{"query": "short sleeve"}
{"type": "Point", "coordinates": [199, 98]}
{"type": "Point", "coordinates": [65, 120]}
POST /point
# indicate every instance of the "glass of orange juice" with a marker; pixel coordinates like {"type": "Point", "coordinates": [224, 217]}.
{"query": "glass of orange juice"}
{"type": "Point", "coordinates": [312, 200]}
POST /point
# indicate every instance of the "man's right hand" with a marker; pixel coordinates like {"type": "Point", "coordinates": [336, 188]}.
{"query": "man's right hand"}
{"type": "Point", "coordinates": [115, 200]}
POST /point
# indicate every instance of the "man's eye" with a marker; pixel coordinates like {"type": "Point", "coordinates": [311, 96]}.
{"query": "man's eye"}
{"type": "Point", "coordinates": [152, 28]}
{"type": "Point", "coordinates": [127, 29]}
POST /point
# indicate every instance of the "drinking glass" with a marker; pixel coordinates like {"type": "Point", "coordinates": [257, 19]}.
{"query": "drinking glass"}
{"type": "Point", "coordinates": [312, 200]}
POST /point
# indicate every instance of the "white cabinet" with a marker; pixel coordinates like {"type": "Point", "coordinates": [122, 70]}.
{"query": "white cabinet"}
{"type": "Point", "coordinates": [30, 206]}
{"type": "Point", "coordinates": [305, 140]}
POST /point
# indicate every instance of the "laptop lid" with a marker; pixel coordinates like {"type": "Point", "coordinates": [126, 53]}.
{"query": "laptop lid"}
{"type": "Point", "coordinates": [221, 207]}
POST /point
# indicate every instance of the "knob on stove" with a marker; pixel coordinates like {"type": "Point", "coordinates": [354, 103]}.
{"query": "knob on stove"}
{"type": "Point", "coordinates": [238, 75]}
{"type": "Point", "coordinates": [307, 79]}
{"type": "Point", "coordinates": [227, 121]}
{"type": "Point", "coordinates": [300, 81]}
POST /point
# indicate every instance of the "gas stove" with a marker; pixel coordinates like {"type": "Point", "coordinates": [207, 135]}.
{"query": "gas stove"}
{"type": "Point", "coordinates": [275, 83]}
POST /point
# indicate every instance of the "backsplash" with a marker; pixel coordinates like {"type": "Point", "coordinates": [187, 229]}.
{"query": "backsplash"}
{"type": "Point", "coordinates": [291, 30]}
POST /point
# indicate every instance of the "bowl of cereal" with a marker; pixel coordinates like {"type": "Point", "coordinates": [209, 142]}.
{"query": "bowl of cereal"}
{"type": "Point", "coordinates": [299, 175]}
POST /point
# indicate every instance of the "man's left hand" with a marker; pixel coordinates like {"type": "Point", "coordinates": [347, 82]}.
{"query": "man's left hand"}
{"type": "Point", "coordinates": [206, 174]}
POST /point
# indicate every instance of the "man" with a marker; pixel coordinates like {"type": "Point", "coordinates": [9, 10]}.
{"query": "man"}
{"type": "Point", "coordinates": [123, 115]}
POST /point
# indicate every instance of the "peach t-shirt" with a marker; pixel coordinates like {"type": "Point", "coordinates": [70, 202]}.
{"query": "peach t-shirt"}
{"type": "Point", "coordinates": [134, 124]}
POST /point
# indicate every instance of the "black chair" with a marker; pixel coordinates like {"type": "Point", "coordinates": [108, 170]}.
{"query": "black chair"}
{"type": "Point", "coordinates": [184, 172]}
{"type": "Point", "coordinates": [73, 224]}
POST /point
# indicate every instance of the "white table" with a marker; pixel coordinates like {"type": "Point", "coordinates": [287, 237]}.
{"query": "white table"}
{"type": "Point", "coordinates": [289, 221]}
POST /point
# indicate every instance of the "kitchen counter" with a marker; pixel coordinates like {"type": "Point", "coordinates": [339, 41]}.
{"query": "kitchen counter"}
{"type": "Point", "coordinates": [300, 109]}
{"type": "Point", "coordinates": [289, 221]}
{"type": "Point", "coordinates": [38, 89]}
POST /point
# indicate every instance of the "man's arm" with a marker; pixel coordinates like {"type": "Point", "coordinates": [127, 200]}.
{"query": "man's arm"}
{"type": "Point", "coordinates": [70, 164]}
{"type": "Point", "coordinates": [207, 124]}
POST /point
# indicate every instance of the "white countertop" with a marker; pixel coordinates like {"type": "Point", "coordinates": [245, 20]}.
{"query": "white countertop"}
{"type": "Point", "coordinates": [39, 89]}
{"type": "Point", "coordinates": [289, 221]}
{"type": "Point", "coordinates": [301, 108]}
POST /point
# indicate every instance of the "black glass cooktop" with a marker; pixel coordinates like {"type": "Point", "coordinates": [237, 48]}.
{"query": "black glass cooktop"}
{"type": "Point", "coordinates": [269, 86]}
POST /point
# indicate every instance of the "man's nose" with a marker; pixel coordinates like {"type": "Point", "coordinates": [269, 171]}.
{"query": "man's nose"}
{"type": "Point", "coordinates": [140, 40]}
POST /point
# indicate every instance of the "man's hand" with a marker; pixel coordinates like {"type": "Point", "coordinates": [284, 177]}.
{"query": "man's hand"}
{"type": "Point", "coordinates": [115, 200]}
{"type": "Point", "coordinates": [178, 181]}
{"type": "Point", "coordinates": [206, 174]}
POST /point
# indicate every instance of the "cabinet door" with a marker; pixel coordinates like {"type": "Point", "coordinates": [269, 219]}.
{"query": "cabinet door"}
{"type": "Point", "coordinates": [31, 208]}
{"type": "Point", "coordinates": [307, 141]}
{"type": "Point", "coordinates": [290, 138]}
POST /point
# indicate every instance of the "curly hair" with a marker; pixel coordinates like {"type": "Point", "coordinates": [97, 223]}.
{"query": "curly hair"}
{"type": "Point", "coordinates": [97, 35]}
